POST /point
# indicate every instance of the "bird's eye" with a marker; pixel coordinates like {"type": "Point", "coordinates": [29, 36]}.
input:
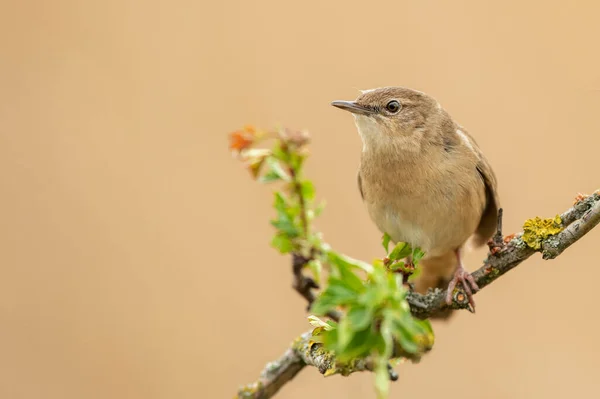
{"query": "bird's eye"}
{"type": "Point", "coordinates": [393, 106]}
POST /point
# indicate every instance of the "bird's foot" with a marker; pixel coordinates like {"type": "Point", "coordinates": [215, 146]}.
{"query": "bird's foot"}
{"type": "Point", "coordinates": [468, 282]}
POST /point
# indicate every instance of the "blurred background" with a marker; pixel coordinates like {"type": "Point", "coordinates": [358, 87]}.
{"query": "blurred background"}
{"type": "Point", "coordinates": [134, 250]}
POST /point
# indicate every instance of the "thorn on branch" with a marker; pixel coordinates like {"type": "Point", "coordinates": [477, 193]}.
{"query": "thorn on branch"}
{"type": "Point", "coordinates": [496, 244]}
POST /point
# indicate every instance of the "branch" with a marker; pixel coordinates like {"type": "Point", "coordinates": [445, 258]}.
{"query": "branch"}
{"type": "Point", "coordinates": [578, 221]}
{"type": "Point", "coordinates": [304, 285]}
{"type": "Point", "coordinates": [304, 352]}
{"type": "Point", "coordinates": [275, 375]}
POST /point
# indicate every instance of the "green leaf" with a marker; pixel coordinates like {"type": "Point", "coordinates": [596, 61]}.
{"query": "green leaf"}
{"type": "Point", "coordinates": [282, 243]}
{"type": "Point", "coordinates": [360, 317]}
{"type": "Point", "coordinates": [334, 325]}
{"type": "Point", "coordinates": [387, 334]}
{"type": "Point", "coordinates": [308, 190]}
{"type": "Point", "coordinates": [280, 203]}
{"type": "Point", "coordinates": [286, 226]}
{"type": "Point", "coordinates": [406, 338]}
{"type": "Point", "coordinates": [316, 268]}
{"type": "Point", "coordinates": [319, 209]}
{"type": "Point", "coordinates": [345, 335]}
{"type": "Point", "coordinates": [400, 251]}
{"type": "Point", "coordinates": [350, 279]}
{"type": "Point", "coordinates": [279, 153]}
{"type": "Point", "coordinates": [341, 289]}
{"type": "Point", "coordinates": [343, 260]}
{"type": "Point", "coordinates": [372, 296]}
{"type": "Point", "coordinates": [275, 172]}
{"type": "Point", "coordinates": [360, 345]}
{"type": "Point", "coordinates": [316, 322]}
{"type": "Point", "coordinates": [382, 378]}
{"type": "Point", "coordinates": [268, 177]}
{"type": "Point", "coordinates": [323, 304]}
{"type": "Point", "coordinates": [425, 325]}
{"type": "Point", "coordinates": [396, 266]}
{"type": "Point", "coordinates": [417, 255]}
{"type": "Point", "coordinates": [295, 161]}
{"type": "Point", "coordinates": [336, 294]}
{"type": "Point", "coordinates": [385, 241]}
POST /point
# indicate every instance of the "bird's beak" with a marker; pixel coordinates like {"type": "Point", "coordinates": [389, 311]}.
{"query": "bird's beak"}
{"type": "Point", "coordinates": [353, 107]}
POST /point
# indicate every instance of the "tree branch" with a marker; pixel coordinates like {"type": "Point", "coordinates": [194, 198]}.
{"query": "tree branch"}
{"type": "Point", "coordinates": [577, 221]}
{"type": "Point", "coordinates": [304, 352]}
{"type": "Point", "coordinates": [275, 375]}
{"type": "Point", "coordinates": [304, 285]}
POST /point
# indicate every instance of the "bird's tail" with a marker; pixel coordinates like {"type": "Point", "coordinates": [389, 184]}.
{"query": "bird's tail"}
{"type": "Point", "coordinates": [436, 272]}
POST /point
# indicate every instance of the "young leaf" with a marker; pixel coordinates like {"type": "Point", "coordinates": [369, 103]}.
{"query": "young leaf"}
{"type": "Point", "coordinates": [337, 293]}
{"type": "Point", "coordinates": [382, 377]}
{"type": "Point", "coordinates": [282, 243]}
{"type": "Point", "coordinates": [275, 172]}
{"type": "Point", "coordinates": [360, 345]}
{"type": "Point", "coordinates": [323, 304]}
{"type": "Point", "coordinates": [334, 324]}
{"type": "Point", "coordinates": [350, 279]}
{"type": "Point", "coordinates": [319, 209]}
{"type": "Point", "coordinates": [342, 289]}
{"type": "Point", "coordinates": [396, 266]}
{"type": "Point", "coordinates": [268, 177]}
{"type": "Point", "coordinates": [405, 339]}
{"type": "Point", "coordinates": [400, 251]}
{"type": "Point", "coordinates": [316, 267]}
{"type": "Point", "coordinates": [279, 153]}
{"type": "Point", "coordinates": [417, 255]}
{"type": "Point", "coordinates": [360, 317]}
{"type": "Point", "coordinates": [281, 202]}
{"type": "Point", "coordinates": [286, 225]}
{"type": "Point", "coordinates": [296, 160]}
{"type": "Point", "coordinates": [316, 322]}
{"type": "Point", "coordinates": [345, 335]}
{"type": "Point", "coordinates": [308, 190]}
{"type": "Point", "coordinates": [339, 259]}
{"type": "Point", "coordinates": [385, 241]}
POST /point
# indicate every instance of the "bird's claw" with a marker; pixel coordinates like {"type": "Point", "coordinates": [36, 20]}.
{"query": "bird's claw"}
{"type": "Point", "coordinates": [469, 285]}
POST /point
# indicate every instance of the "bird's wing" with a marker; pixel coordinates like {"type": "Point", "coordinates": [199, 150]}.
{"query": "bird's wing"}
{"type": "Point", "coordinates": [489, 217]}
{"type": "Point", "coordinates": [360, 185]}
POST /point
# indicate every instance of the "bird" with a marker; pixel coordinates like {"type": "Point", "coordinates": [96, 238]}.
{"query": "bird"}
{"type": "Point", "coordinates": [424, 181]}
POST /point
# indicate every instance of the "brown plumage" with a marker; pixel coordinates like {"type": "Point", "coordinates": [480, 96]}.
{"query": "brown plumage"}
{"type": "Point", "coordinates": [424, 180]}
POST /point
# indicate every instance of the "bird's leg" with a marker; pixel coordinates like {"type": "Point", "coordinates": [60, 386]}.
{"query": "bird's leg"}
{"type": "Point", "coordinates": [467, 280]}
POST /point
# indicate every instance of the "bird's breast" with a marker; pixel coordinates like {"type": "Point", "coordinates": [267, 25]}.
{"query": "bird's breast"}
{"type": "Point", "coordinates": [427, 205]}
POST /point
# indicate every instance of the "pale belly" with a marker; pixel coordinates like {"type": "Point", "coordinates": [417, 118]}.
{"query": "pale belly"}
{"type": "Point", "coordinates": [435, 223]}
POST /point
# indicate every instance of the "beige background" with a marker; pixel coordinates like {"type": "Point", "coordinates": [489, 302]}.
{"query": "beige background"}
{"type": "Point", "coordinates": [134, 257]}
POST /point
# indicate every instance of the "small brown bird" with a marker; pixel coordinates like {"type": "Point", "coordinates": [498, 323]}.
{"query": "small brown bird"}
{"type": "Point", "coordinates": [424, 181]}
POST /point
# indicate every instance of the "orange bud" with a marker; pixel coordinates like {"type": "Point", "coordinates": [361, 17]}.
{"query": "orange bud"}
{"type": "Point", "coordinates": [240, 140]}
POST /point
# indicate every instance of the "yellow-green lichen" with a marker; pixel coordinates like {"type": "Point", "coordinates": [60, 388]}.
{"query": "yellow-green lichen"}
{"type": "Point", "coordinates": [249, 391]}
{"type": "Point", "coordinates": [536, 230]}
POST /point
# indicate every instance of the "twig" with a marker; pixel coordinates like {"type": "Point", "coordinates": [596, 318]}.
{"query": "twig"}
{"type": "Point", "coordinates": [579, 220]}
{"type": "Point", "coordinates": [497, 241]}
{"type": "Point", "coordinates": [275, 375]}
{"type": "Point", "coordinates": [304, 285]}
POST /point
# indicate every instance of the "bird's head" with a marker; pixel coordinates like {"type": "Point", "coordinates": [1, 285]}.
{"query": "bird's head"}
{"type": "Point", "coordinates": [395, 115]}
